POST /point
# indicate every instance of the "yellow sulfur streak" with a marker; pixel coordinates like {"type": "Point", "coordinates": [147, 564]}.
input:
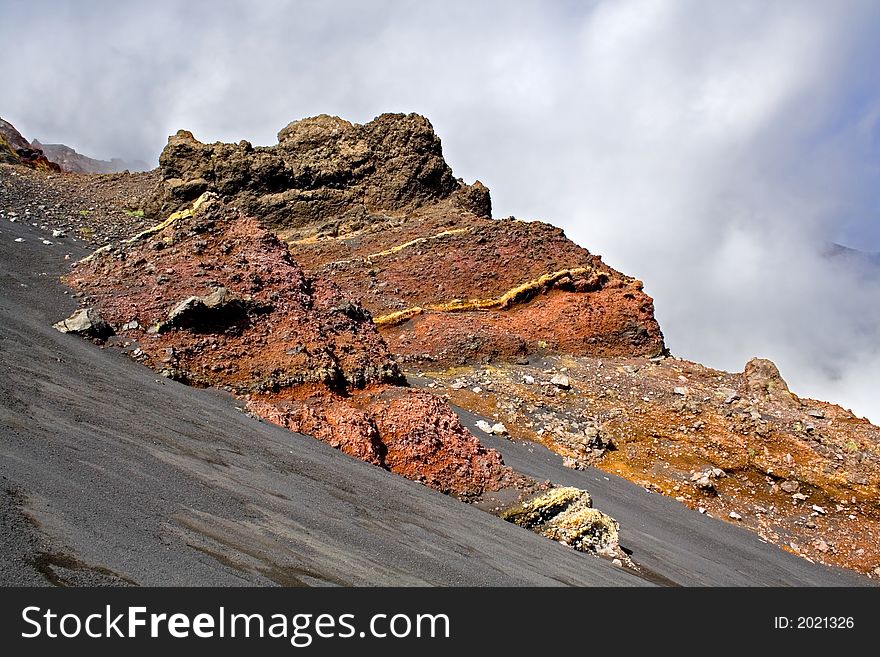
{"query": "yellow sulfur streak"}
{"type": "Point", "coordinates": [499, 302]}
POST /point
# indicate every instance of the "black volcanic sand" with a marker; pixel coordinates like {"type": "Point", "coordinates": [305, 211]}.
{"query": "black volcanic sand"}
{"type": "Point", "coordinates": [110, 476]}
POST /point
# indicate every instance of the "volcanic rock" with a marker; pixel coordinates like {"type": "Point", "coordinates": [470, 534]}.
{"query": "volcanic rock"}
{"type": "Point", "coordinates": [411, 433]}
{"type": "Point", "coordinates": [87, 322]}
{"type": "Point", "coordinates": [242, 303]}
{"type": "Point", "coordinates": [375, 208]}
{"type": "Point", "coordinates": [565, 514]}
{"type": "Point", "coordinates": [764, 382]}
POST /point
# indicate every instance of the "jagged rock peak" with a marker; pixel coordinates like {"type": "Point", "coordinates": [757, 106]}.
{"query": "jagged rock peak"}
{"type": "Point", "coordinates": [325, 174]}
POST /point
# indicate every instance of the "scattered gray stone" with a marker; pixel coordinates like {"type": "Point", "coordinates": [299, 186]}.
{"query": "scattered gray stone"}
{"type": "Point", "coordinates": [790, 486]}
{"type": "Point", "coordinates": [705, 484]}
{"type": "Point", "coordinates": [731, 398]}
{"type": "Point", "coordinates": [733, 515]}
{"type": "Point", "coordinates": [561, 381]}
{"type": "Point", "coordinates": [529, 380]}
{"type": "Point", "coordinates": [816, 413]}
{"type": "Point", "coordinates": [679, 390]}
{"type": "Point", "coordinates": [818, 509]}
{"type": "Point", "coordinates": [799, 497]}
{"type": "Point", "coordinates": [131, 326]}
{"type": "Point", "coordinates": [218, 309]}
{"type": "Point", "coordinates": [821, 545]}
{"type": "Point", "coordinates": [499, 429]}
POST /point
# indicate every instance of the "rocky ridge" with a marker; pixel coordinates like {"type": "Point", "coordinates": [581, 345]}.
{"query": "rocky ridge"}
{"type": "Point", "coordinates": [375, 208]}
{"type": "Point", "coordinates": [208, 297]}
{"type": "Point", "coordinates": [503, 317]}
{"type": "Point", "coordinates": [72, 162]}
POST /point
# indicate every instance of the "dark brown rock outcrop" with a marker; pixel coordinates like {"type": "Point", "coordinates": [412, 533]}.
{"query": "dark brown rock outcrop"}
{"type": "Point", "coordinates": [324, 176]}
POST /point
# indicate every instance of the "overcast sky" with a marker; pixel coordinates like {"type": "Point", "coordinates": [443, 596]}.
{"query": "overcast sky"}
{"type": "Point", "coordinates": [712, 149]}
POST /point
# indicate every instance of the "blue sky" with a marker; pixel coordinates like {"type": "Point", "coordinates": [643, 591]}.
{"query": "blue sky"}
{"type": "Point", "coordinates": [711, 149]}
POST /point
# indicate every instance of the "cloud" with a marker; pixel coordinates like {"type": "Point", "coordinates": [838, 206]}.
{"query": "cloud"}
{"type": "Point", "coordinates": [711, 149]}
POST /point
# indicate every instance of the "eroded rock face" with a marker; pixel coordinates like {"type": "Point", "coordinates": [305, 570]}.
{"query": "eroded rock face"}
{"type": "Point", "coordinates": [376, 209]}
{"type": "Point", "coordinates": [446, 286]}
{"type": "Point", "coordinates": [324, 174]}
{"type": "Point", "coordinates": [410, 432]}
{"type": "Point", "coordinates": [224, 304]}
{"type": "Point", "coordinates": [210, 297]}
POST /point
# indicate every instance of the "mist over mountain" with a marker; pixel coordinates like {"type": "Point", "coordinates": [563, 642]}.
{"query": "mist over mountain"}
{"type": "Point", "coordinates": [711, 150]}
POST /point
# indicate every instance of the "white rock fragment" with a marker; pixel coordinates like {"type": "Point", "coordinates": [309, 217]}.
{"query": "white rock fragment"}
{"type": "Point", "coordinates": [496, 429]}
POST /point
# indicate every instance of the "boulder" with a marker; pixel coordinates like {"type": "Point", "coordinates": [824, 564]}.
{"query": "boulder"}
{"type": "Point", "coordinates": [85, 321]}
{"type": "Point", "coordinates": [763, 381]}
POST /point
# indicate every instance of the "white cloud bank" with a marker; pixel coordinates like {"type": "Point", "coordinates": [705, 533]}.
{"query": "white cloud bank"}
{"type": "Point", "coordinates": [711, 149]}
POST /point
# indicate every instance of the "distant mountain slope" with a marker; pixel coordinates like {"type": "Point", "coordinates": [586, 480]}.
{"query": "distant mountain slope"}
{"type": "Point", "coordinates": [855, 256]}
{"type": "Point", "coordinates": [69, 160]}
